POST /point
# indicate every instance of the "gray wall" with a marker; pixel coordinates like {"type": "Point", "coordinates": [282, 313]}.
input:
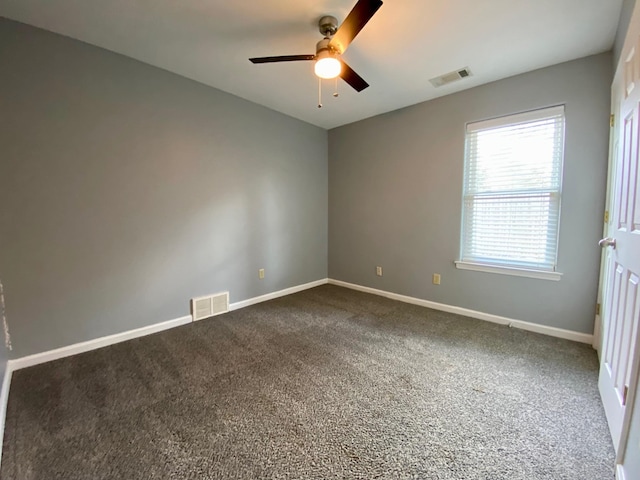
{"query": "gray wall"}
{"type": "Point", "coordinates": [623, 26]}
{"type": "Point", "coordinates": [395, 187]}
{"type": "Point", "coordinates": [126, 190]}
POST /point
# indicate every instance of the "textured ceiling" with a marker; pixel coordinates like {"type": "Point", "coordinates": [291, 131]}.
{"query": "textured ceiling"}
{"type": "Point", "coordinates": [401, 48]}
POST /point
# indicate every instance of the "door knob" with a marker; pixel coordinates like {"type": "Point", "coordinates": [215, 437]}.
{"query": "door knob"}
{"type": "Point", "coordinates": [607, 242]}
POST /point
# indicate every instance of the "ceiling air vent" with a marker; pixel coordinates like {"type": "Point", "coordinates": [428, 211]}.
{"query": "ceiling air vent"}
{"type": "Point", "coordinates": [210, 305]}
{"type": "Point", "coordinates": [451, 77]}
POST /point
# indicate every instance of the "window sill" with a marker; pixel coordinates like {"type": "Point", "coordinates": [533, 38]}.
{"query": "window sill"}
{"type": "Point", "coordinates": [518, 272]}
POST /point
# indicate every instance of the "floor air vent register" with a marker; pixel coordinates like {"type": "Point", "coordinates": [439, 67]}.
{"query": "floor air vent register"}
{"type": "Point", "coordinates": [209, 305]}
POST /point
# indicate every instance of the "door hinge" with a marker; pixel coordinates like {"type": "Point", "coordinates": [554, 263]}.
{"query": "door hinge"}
{"type": "Point", "coordinates": [625, 392]}
{"type": "Point", "coordinates": [606, 216]}
{"type": "Point", "coordinates": [612, 120]}
{"type": "Point", "coordinates": [597, 309]}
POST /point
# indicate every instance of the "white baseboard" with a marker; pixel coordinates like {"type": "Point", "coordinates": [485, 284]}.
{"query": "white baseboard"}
{"type": "Point", "coordinates": [278, 294]}
{"type": "Point", "coordinates": [82, 347]}
{"type": "Point", "coordinates": [619, 472]}
{"type": "Point", "coordinates": [532, 327]}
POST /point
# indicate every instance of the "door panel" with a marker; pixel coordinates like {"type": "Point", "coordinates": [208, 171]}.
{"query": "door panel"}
{"type": "Point", "coordinates": [628, 143]}
{"type": "Point", "coordinates": [622, 295]}
{"type": "Point", "coordinates": [623, 357]}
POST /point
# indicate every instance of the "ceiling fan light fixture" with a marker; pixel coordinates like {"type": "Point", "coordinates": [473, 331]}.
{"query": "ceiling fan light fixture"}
{"type": "Point", "coordinates": [327, 65]}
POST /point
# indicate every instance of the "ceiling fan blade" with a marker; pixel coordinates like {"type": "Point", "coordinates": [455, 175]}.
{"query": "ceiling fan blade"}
{"type": "Point", "coordinates": [352, 78]}
{"type": "Point", "coordinates": [355, 21]}
{"type": "Point", "coordinates": [282, 58]}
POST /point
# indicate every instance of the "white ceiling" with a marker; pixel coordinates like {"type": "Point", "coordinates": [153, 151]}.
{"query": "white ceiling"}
{"type": "Point", "coordinates": [405, 44]}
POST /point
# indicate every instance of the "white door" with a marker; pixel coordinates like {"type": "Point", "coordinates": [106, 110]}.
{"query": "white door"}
{"type": "Point", "coordinates": [621, 299]}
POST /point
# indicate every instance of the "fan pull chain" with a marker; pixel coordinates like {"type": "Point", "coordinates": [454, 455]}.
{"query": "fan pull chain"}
{"type": "Point", "coordinates": [319, 92]}
{"type": "Point", "coordinates": [335, 93]}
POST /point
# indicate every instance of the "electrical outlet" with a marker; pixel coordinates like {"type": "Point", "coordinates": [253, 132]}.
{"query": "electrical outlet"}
{"type": "Point", "coordinates": [261, 273]}
{"type": "Point", "coordinates": [436, 279]}
{"type": "Point", "coordinates": [379, 271]}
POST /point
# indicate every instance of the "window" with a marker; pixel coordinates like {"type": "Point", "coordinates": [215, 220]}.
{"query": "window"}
{"type": "Point", "coordinates": [512, 186]}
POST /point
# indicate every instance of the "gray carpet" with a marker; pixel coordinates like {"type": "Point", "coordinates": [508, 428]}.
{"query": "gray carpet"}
{"type": "Point", "coordinates": [327, 383]}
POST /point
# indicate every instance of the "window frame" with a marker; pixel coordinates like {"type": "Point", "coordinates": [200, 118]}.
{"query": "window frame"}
{"type": "Point", "coordinates": [505, 267]}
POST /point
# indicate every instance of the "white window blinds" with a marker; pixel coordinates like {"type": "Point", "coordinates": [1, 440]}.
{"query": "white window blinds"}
{"type": "Point", "coordinates": [512, 185]}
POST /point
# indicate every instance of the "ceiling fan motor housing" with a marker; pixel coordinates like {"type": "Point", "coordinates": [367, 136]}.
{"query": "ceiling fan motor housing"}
{"type": "Point", "coordinates": [328, 26]}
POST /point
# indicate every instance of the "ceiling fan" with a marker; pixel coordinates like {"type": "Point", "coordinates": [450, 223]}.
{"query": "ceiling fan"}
{"type": "Point", "coordinates": [333, 45]}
